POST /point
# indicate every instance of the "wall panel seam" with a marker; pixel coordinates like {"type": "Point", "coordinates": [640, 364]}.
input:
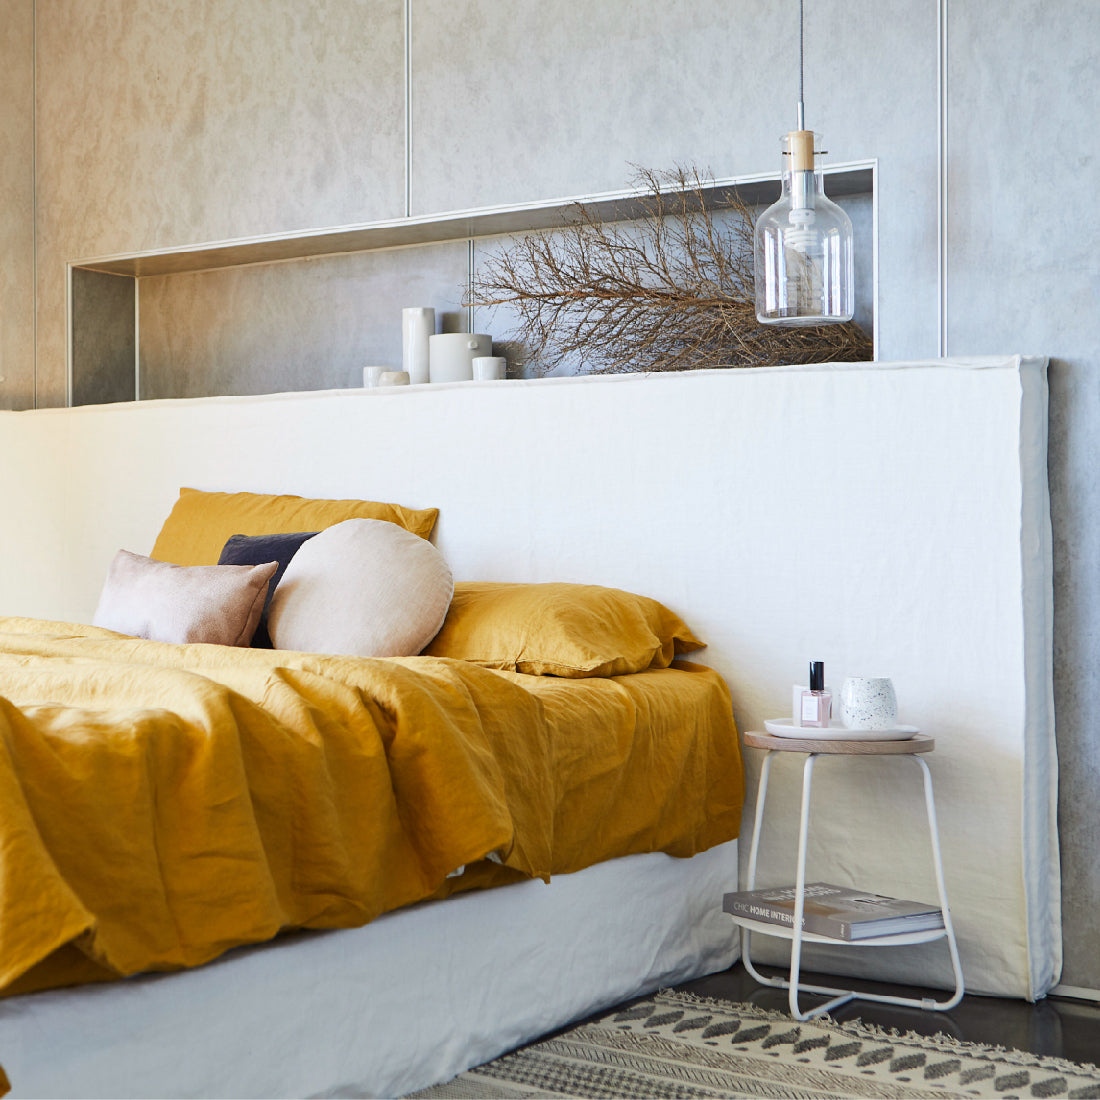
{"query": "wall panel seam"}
{"type": "Point", "coordinates": [69, 339]}
{"type": "Point", "coordinates": [34, 203]}
{"type": "Point", "coordinates": [137, 339]}
{"type": "Point", "coordinates": [471, 274]}
{"type": "Point", "coordinates": [408, 108]}
{"type": "Point", "coordinates": [876, 314]}
{"type": "Point", "coordinates": [941, 184]}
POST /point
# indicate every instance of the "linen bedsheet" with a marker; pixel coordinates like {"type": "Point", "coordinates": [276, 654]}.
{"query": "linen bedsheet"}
{"type": "Point", "coordinates": [161, 804]}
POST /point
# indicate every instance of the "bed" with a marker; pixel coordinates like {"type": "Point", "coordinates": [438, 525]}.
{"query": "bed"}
{"type": "Point", "coordinates": [181, 780]}
{"type": "Point", "coordinates": [684, 488]}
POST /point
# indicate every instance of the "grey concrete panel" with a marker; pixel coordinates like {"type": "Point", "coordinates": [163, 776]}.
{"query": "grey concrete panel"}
{"type": "Point", "coordinates": [1024, 276]}
{"type": "Point", "coordinates": [103, 359]}
{"type": "Point", "coordinates": [562, 98]}
{"type": "Point", "coordinates": [174, 123]}
{"type": "Point", "coordinates": [301, 325]}
{"type": "Point", "coordinates": [1075, 504]}
{"type": "Point", "coordinates": [17, 204]}
{"type": "Point", "coordinates": [871, 91]}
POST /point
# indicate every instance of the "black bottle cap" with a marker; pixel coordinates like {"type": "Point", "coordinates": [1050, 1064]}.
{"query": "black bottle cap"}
{"type": "Point", "coordinates": [817, 676]}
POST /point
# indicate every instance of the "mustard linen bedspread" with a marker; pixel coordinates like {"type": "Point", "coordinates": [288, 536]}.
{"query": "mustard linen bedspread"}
{"type": "Point", "coordinates": [160, 804]}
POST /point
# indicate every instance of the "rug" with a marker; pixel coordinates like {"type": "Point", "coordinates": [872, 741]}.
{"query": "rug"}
{"type": "Point", "coordinates": [679, 1045]}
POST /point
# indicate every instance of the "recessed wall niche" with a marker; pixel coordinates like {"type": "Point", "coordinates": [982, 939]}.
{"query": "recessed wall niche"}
{"type": "Point", "coordinates": [103, 309]}
{"type": "Point", "coordinates": [308, 324]}
{"type": "Point", "coordinates": [308, 311]}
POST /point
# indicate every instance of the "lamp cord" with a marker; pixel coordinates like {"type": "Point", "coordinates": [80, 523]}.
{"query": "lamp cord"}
{"type": "Point", "coordinates": [801, 74]}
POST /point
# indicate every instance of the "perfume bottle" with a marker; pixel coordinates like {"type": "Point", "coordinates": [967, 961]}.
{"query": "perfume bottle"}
{"type": "Point", "coordinates": [817, 703]}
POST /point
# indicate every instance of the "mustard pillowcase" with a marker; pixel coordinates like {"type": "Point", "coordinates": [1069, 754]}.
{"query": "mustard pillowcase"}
{"type": "Point", "coordinates": [201, 523]}
{"type": "Point", "coordinates": [571, 630]}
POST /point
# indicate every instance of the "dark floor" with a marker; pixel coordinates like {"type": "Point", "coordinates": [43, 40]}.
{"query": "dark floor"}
{"type": "Point", "coordinates": [1057, 1026]}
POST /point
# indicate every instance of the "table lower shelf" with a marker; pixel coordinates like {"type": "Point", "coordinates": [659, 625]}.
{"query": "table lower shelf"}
{"type": "Point", "coordinates": [782, 933]}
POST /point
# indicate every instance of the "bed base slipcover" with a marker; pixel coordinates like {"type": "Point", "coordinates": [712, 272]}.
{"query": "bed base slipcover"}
{"type": "Point", "coordinates": [412, 998]}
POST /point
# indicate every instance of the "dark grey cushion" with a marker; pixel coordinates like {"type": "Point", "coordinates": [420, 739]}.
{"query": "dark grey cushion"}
{"type": "Point", "coordinates": [255, 550]}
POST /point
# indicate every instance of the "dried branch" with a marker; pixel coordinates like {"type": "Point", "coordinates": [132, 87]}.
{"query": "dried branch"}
{"type": "Point", "coordinates": [670, 289]}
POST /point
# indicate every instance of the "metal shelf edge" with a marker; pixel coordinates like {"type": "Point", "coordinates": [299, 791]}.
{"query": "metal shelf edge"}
{"type": "Point", "coordinates": [840, 180]}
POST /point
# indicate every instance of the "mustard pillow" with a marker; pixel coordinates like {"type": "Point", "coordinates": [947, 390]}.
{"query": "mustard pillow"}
{"type": "Point", "coordinates": [560, 630]}
{"type": "Point", "coordinates": [201, 523]}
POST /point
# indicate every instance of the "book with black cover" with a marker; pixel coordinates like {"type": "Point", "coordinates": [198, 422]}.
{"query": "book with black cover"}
{"type": "Point", "coordinates": [835, 911]}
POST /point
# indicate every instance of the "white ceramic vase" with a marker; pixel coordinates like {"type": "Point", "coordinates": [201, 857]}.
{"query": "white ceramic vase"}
{"type": "Point", "coordinates": [417, 326]}
{"type": "Point", "coordinates": [868, 703]}
{"type": "Point", "coordinates": [452, 355]}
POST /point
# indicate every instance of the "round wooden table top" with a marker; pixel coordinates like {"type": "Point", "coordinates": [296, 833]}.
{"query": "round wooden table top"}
{"type": "Point", "coordinates": [920, 742]}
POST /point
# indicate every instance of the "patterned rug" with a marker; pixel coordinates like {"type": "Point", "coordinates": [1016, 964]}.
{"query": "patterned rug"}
{"type": "Point", "coordinates": [675, 1044]}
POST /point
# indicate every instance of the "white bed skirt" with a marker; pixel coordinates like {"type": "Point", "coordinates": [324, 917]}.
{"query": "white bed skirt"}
{"type": "Point", "coordinates": [413, 998]}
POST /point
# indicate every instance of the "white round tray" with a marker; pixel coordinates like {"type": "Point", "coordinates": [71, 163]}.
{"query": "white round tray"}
{"type": "Point", "coordinates": [782, 727]}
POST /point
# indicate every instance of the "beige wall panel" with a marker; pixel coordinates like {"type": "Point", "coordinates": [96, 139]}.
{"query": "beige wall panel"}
{"type": "Point", "coordinates": [304, 325]}
{"type": "Point", "coordinates": [17, 203]}
{"type": "Point", "coordinates": [560, 98]}
{"type": "Point", "coordinates": [168, 123]}
{"type": "Point", "coordinates": [1024, 273]}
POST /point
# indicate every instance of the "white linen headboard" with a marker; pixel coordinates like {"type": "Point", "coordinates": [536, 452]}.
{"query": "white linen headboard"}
{"type": "Point", "coordinates": [889, 519]}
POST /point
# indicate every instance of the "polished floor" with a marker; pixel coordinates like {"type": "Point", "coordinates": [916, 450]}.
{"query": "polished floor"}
{"type": "Point", "coordinates": [1057, 1026]}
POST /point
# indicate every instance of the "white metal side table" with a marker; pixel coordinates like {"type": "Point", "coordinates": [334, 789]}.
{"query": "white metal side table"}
{"type": "Point", "coordinates": [904, 750]}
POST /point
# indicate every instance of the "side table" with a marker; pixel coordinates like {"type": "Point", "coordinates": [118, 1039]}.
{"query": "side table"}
{"type": "Point", "coordinates": [813, 748]}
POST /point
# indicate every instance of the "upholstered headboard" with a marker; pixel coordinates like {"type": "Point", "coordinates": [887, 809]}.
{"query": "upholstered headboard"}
{"type": "Point", "coordinates": [888, 519]}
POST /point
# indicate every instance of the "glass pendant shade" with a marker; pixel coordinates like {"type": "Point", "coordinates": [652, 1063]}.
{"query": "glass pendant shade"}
{"type": "Point", "coordinates": [803, 261]}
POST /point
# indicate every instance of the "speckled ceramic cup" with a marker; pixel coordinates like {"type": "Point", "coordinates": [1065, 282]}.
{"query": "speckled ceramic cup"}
{"type": "Point", "coordinates": [868, 703]}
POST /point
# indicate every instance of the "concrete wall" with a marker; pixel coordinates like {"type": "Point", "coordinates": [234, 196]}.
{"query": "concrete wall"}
{"type": "Point", "coordinates": [1024, 273]}
{"type": "Point", "coordinates": [178, 122]}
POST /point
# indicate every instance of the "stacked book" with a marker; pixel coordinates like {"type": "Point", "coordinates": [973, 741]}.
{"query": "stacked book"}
{"type": "Point", "coordinates": [835, 911]}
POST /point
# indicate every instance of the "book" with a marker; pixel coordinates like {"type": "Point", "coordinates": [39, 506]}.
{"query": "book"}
{"type": "Point", "coordinates": [835, 911]}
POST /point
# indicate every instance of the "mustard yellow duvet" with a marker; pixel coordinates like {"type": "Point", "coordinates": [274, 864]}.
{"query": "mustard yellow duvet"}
{"type": "Point", "coordinates": [160, 804]}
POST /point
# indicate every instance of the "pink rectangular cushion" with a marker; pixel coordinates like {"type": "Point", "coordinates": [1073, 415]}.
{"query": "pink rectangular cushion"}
{"type": "Point", "coordinates": [179, 603]}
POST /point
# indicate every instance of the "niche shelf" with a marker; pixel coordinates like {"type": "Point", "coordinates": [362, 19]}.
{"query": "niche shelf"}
{"type": "Point", "coordinates": [104, 330]}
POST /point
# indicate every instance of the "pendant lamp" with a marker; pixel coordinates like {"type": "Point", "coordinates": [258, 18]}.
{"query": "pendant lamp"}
{"type": "Point", "coordinates": [803, 243]}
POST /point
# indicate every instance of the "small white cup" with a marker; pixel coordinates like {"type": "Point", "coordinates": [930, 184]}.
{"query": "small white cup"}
{"type": "Point", "coordinates": [394, 378]}
{"type": "Point", "coordinates": [489, 368]}
{"type": "Point", "coordinates": [372, 376]}
{"type": "Point", "coordinates": [868, 703]}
